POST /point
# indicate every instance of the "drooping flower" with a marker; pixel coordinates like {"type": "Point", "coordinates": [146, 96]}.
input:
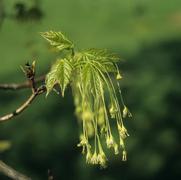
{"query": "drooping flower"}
{"type": "Point", "coordinates": [94, 82]}
{"type": "Point", "coordinates": [126, 112]}
{"type": "Point", "coordinates": [124, 156]}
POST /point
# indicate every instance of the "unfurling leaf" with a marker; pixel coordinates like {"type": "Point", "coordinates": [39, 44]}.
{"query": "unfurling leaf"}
{"type": "Point", "coordinates": [57, 40]}
{"type": "Point", "coordinates": [60, 73]}
{"type": "Point", "coordinates": [99, 57]}
{"type": "Point", "coordinates": [102, 55]}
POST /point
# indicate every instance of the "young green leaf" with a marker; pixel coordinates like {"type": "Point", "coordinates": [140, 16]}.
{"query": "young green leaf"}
{"type": "Point", "coordinates": [99, 57]}
{"type": "Point", "coordinates": [57, 40]}
{"type": "Point", "coordinates": [102, 55]}
{"type": "Point", "coordinates": [60, 74]}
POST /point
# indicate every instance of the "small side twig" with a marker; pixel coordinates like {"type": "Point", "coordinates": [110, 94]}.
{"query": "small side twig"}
{"type": "Point", "coordinates": [11, 173]}
{"type": "Point", "coordinates": [17, 86]}
{"type": "Point", "coordinates": [29, 71]}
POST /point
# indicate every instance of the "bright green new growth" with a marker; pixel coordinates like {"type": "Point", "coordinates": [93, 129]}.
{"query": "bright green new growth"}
{"type": "Point", "coordinates": [60, 73]}
{"type": "Point", "coordinates": [88, 73]}
{"type": "Point", "coordinates": [58, 40]}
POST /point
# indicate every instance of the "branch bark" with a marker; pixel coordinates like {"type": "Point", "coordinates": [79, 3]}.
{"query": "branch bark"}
{"type": "Point", "coordinates": [37, 92]}
{"type": "Point", "coordinates": [16, 86]}
{"type": "Point", "coordinates": [11, 173]}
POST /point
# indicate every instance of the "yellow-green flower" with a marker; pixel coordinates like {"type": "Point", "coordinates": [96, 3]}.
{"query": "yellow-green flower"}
{"type": "Point", "coordinates": [124, 156]}
{"type": "Point", "coordinates": [126, 112]}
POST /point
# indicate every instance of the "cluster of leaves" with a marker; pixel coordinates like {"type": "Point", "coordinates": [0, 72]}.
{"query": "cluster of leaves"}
{"type": "Point", "coordinates": [88, 73]}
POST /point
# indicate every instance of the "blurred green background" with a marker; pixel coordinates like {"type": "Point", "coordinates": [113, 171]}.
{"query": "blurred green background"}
{"type": "Point", "coordinates": [147, 34]}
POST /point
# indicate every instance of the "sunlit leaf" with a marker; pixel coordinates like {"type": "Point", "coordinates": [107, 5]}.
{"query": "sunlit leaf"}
{"type": "Point", "coordinates": [57, 40]}
{"type": "Point", "coordinates": [60, 74]}
{"type": "Point", "coordinates": [99, 57]}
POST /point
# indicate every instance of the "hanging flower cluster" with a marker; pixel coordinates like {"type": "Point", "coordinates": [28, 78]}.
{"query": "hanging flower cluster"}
{"type": "Point", "coordinates": [97, 96]}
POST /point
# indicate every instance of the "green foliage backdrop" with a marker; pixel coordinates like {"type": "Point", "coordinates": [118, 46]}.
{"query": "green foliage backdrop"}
{"type": "Point", "coordinates": [147, 35]}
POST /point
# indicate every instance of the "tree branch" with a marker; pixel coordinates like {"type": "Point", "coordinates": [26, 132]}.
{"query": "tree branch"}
{"type": "Point", "coordinates": [11, 173]}
{"type": "Point", "coordinates": [38, 91]}
{"type": "Point", "coordinates": [16, 86]}
{"type": "Point", "coordinates": [29, 71]}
